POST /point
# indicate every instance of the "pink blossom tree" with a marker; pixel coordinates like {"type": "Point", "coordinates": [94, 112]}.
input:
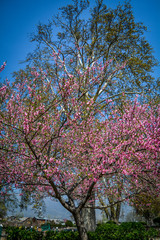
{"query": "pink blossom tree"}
{"type": "Point", "coordinates": [62, 140]}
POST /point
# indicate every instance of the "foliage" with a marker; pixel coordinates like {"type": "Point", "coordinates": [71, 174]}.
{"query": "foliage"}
{"type": "Point", "coordinates": [50, 235]}
{"type": "Point", "coordinates": [106, 33]}
{"type": "Point", "coordinates": [69, 223]}
{"type": "Point", "coordinates": [26, 199]}
{"type": "Point", "coordinates": [147, 205]}
{"type": "Point", "coordinates": [60, 143]}
{"type": "Point", "coordinates": [133, 230]}
{"type": "Point", "coordinates": [8, 199]}
{"type": "Point", "coordinates": [62, 235]}
{"type": "Point", "coordinates": [125, 231]}
{"type": "Point", "coordinates": [54, 225]}
{"type": "Point", "coordinates": [107, 231]}
{"type": "Point", "coordinates": [15, 233]}
{"type": "Point", "coordinates": [67, 127]}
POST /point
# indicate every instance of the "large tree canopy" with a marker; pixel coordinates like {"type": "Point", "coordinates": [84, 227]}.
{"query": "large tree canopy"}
{"type": "Point", "coordinates": [106, 33]}
{"type": "Point", "coordinates": [68, 128]}
{"type": "Point", "coordinates": [86, 35]}
{"type": "Point", "coordinates": [56, 140]}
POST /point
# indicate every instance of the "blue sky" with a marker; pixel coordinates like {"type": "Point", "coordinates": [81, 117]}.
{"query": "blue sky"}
{"type": "Point", "coordinates": [18, 18]}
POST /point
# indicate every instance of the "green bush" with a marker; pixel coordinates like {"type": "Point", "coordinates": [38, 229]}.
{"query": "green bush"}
{"type": "Point", "coordinates": [50, 235]}
{"type": "Point", "coordinates": [132, 230]}
{"type": "Point", "coordinates": [62, 235]}
{"type": "Point", "coordinates": [125, 231]}
{"type": "Point", "coordinates": [106, 231]}
{"type": "Point", "coordinates": [93, 236]}
{"type": "Point", "coordinates": [135, 231]}
{"type": "Point", "coordinates": [15, 233]}
{"type": "Point", "coordinates": [69, 223]}
{"type": "Point", "coordinates": [152, 233]}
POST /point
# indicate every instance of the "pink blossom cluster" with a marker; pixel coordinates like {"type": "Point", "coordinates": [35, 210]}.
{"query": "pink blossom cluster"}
{"type": "Point", "coordinates": [2, 67]}
{"type": "Point", "coordinates": [65, 145]}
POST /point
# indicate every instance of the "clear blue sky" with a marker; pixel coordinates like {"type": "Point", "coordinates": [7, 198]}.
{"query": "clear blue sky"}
{"type": "Point", "coordinates": [18, 18]}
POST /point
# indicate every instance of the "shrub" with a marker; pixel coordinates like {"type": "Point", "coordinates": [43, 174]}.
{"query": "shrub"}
{"type": "Point", "coordinates": [93, 236]}
{"type": "Point", "coordinates": [15, 233]}
{"type": "Point", "coordinates": [125, 231]}
{"type": "Point", "coordinates": [50, 235]}
{"type": "Point", "coordinates": [69, 223]}
{"type": "Point", "coordinates": [62, 235]}
{"type": "Point", "coordinates": [134, 231]}
{"type": "Point", "coordinates": [107, 231]}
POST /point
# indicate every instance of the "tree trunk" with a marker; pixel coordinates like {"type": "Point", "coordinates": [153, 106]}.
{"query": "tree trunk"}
{"type": "Point", "coordinates": [80, 226]}
{"type": "Point", "coordinates": [115, 212]}
{"type": "Point", "coordinates": [89, 216]}
{"type": "Point", "coordinates": [118, 211]}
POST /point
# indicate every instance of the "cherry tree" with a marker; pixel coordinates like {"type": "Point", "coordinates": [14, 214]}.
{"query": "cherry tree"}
{"type": "Point", "coordinates": [104, 34]}
{"type": "Point", "coordinates": [69, 140]}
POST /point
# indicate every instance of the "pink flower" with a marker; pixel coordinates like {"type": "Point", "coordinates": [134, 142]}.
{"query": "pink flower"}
{"type": "Point", "coordinates": [2, 67]}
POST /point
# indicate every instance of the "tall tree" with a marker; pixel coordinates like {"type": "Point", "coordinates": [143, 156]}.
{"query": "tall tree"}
{"type": "Point", "coordinates": [57, 141]}
{"type": "Point", "coordinates": [147, 206]}
{"type": "Point", "coordinates": [106, 34]}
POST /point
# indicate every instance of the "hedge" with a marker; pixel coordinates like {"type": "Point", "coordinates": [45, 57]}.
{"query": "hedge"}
{"type": "Point", "coordinates": [105, 231]}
